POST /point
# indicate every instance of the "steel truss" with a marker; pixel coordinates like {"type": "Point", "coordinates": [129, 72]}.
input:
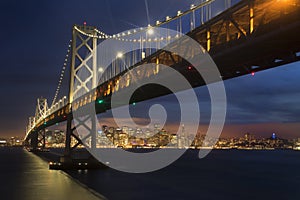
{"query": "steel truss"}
{"type": "Point", "coordinates": [81, 46]}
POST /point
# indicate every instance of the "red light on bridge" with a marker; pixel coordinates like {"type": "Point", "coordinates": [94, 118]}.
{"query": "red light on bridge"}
{"type": "Point", "coordinates": [253, 73]}
{"type": "Point", "coordinates": [190, 68]}
{"type": "Point", "coordinates": [84, 23]}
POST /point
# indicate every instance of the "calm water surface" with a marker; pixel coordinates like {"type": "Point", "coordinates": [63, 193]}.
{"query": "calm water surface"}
{"type": "Point", "coordinates": [224, 174]}
{"type": "Point", "coordinates": [228, 174]}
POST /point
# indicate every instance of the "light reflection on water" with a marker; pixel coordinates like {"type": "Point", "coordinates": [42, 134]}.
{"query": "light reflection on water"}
{"type": "Point", "coordinates": [26, 176]}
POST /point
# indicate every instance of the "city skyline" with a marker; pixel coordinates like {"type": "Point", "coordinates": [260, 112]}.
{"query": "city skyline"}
{"type": "Point", "coordinates": [160, 137]}
{"type": "Point", "coordinates": [267, 100]}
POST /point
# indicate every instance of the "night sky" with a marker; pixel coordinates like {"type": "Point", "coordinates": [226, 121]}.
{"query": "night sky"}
{"type": "Point", "coordinates": [35, 36]}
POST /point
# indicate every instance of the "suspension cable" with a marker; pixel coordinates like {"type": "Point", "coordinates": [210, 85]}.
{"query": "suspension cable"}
{"type": "Point", "coordinates": [62, 73]}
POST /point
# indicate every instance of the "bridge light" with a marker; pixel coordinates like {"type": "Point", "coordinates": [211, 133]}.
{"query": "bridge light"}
{"type": "Point", "coordinates": [252, 73]}
{"type": "Point", "coordinates": [193, 6]}
{"type": "Point", "coordinates": [283, 1]}
{"type": "Point", "coordinates": [101, 69]}
{"type": "Point", "coordinates": [133, 103]}
{"type": "Point", "coordinates": [119, 55]}
{"type": "Point", "coordinates": [150, 30]}
{"type": "Point", "coordinates": [101, 101]}
{"type": "Point", "coordinates": [84, 23]}
{"type": "Point", "coordinates": [190, 68]}
{"type": "Point", "coordinates": [168, 18]}
{"type": "Point", "coordinates": [179, 13]}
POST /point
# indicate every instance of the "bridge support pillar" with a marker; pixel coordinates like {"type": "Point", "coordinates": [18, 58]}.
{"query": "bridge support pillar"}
{"type": "Point", "coordinates": [68, 136]}
{"type": "Point", "coordinates": [93, 133]}
{"type": "Point", "coordinates": [89, 141]}
{"type": "Point", "coordinates": [34, 140]}
{"type": "Point", "coordinates": [73, 158]}
{"type": "Point", "coordinates": [42, 138]}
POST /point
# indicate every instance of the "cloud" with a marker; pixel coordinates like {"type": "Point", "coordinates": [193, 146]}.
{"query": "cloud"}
{"type": "Point", "coordinates": [270, 96]}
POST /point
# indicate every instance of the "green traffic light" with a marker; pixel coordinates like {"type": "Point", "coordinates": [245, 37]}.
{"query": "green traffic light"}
{"type": "Point", "coordinates": [101, 101]}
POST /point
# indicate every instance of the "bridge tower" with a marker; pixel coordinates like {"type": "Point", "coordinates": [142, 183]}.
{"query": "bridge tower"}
{"type": "Point", "coordinates": [84, 58]}
{"type": "Point", "coordinates": [41, 108]}
{"type": "Point", "coordinates": [31, 123]}
{"type": "Point", "coordinates": [38, 139]}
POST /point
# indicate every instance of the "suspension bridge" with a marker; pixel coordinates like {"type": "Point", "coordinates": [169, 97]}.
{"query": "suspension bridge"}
{"type": "Point", "coordinates": [246, 37]}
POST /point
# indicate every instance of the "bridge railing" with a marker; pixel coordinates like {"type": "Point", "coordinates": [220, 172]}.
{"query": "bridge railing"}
{"type": "Point", "coordinates": [58, 105]}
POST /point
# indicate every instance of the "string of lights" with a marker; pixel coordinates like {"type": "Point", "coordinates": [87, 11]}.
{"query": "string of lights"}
{"type": "Point", "coordinates": [156, 39]}
{"type": "Point", "coordinates": [122, 36]}
{"type": "Point", "coordinates": [62, 73]}
{"type": "Point", "coordinates": [102, 33]}
{"type": "Point", "coordinates": [90, 35]}
{"type": "Point", "coordinates": [168, 19]}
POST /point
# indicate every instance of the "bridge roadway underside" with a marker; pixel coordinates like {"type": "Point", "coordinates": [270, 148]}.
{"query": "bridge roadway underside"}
{"type": "Point", "coordinates": [273, 44]}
